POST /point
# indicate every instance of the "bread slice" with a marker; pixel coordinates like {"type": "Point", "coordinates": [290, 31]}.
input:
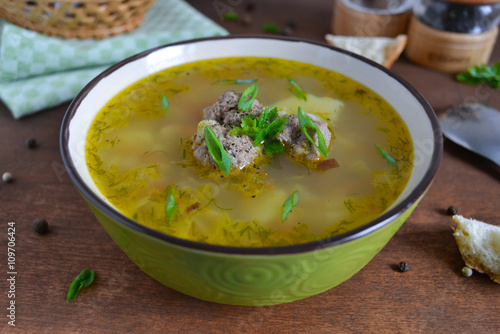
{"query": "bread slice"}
{"type": "Point", "coordinates": [383, 50]}
{"type": "Point", "coordinates": [479, 244]}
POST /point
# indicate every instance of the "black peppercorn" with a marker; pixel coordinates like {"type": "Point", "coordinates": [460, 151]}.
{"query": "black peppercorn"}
{"type": "Point", "coordinates": [291, 24]}
{"type": "Point", "coordinates": [40, 226]}
{"type": "Point", "coordinates": [250, 7]}
{"type": "Point", "coordinates": [403, 267]}
{"type": "Point", "coordinates": [31, 142]}
{"type": "Point", "coordinates": [452, 210]}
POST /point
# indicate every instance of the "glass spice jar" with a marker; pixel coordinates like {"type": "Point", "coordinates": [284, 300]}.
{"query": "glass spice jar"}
{"type": "Point", "coordinates": [451, 36]}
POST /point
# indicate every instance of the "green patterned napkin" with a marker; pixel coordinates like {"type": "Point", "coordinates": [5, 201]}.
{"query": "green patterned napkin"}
{"type": "Point", "coordinates": [39, 72]}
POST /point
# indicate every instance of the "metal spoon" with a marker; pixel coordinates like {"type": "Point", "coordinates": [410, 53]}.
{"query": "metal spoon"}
{"type": "Point", "coordinates": [475, 127]}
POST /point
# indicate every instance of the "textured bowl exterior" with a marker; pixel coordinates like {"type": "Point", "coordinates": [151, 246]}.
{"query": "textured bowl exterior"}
{"type": "Point", "coordinates": [251, 280]}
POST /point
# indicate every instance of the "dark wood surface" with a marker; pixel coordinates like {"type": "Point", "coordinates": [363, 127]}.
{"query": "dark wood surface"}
{"type": "Point", "coordinates": [432, 297]}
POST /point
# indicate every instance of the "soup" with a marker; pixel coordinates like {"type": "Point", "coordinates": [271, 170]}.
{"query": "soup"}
{"type": "Point", "coordinates": [140, 153]}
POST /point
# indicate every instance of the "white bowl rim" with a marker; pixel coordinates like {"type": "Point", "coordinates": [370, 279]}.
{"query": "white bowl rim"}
{"type": "Point", "coordinates": [357, 233]}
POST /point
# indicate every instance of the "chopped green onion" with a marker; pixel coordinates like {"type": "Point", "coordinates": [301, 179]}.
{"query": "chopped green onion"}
{"type": "Point", "coordinates": [304, 123]}
{"type": "Point", "coordinates": [171, 205]}
{"type": "Point", "coordinates": [289, 204]}
{"type": "Point", "coordinates": [164, 101]}
{"type": "Point", "coordinates": [297, 90]}
{"type": "Point", "coordinates": [230, 16]}
{"type": "Point", "coordinates": [270, 132]}
{"type": "Point", "coordinates": [270, 28]}
{"type": "Point", "coordinates": [235, 81]}
{"type": "Point", "coordinates": [259, 137]}
{"type": "Point", "coordinates": [269, 114]}
{"type": "Point", "coordinates": [217, 151]}
{"type": "Point", "coordinates": [245, 103]}
{"type": "Point", "coordinates": [387, 157]}
{"type": "Point", "coordinates": [84, 279]}
{"type": "Point", "coordinates": [274, 147]}
{"type": "Point", "coordinates": [275, 128]}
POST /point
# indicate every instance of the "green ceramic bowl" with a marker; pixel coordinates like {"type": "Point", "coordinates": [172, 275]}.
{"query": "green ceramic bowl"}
{"type": "Point", "coordinates": [252, 276]}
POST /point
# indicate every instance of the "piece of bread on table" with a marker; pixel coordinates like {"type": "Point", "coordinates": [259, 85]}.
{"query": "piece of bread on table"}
{"type": "Point", "coordinates": [479, 244]}
{"type": "Point", "coordinates": [383, 50]}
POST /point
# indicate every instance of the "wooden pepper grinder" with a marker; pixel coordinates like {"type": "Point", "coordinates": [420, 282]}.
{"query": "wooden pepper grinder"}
{"type": "Point", "coordinates": [371, 18]}
{"type": "Point", "coordinates": [453, 35]}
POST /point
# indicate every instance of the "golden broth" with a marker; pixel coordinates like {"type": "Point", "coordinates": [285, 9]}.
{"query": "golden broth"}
{"type": "Point", "coordinates": [135, 156]}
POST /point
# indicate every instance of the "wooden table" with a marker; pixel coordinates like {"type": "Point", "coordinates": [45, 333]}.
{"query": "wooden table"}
{"type": "Point", "coordinates": [432, 297]}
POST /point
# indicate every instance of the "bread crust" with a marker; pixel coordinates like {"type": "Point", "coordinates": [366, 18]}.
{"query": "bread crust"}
{"type": "Point", "coordinates": [479, 245]}
{"type": "Point", "coordinates": [393, 51]}
{"type": "Point", "coordinates": [391, 47]}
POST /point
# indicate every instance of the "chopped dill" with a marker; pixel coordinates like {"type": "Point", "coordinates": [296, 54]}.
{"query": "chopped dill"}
{"type": "Point", "coordinates": [348, 204]}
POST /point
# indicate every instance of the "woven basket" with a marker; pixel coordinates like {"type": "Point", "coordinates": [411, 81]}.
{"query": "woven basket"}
{"type": "Point", "coordinates": [76, 19]}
